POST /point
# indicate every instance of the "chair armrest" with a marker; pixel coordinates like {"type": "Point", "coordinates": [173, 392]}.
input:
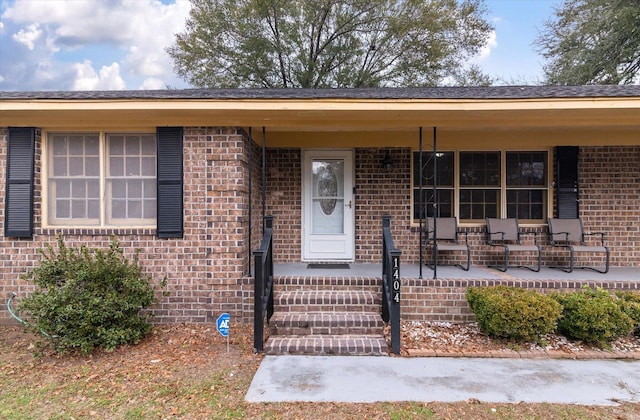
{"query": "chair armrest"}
{"type": "Point", "coordinates": [596, 233]}
{"type": "Point", "coordinates": [535, 236]}
{"type": "Point", "coordinates": [495, 233]}
{"type": "Point", "coordinates": [566, 237]}
{"type": "Point", "coordinates": [466, 235]}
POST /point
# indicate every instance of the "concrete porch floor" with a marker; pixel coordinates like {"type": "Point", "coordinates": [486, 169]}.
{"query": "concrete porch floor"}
{"type": "Point", "coordinates": [409, 270]}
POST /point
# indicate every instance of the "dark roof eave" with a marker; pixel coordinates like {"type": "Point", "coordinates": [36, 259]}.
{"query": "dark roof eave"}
{"type": "Point", "coordinates": [444, 93]}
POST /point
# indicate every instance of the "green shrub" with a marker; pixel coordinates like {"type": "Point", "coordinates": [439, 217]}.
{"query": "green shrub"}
{"type": "Point", "coordinates": [88, 299]}
{"type": "Point", "coordinates": [513, 313]}
{"type": "Point", "coordinates": [630, 304]}
{"type": "Point", "coordinates": [592, 315]}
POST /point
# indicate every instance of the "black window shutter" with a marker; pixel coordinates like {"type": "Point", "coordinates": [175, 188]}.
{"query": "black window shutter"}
{"type": "Point", "coordinates": [169, 198]}
{"type": "Point", "coordinates": [567, 182]}
{"type": "Point", "coordinates": [18, 214]}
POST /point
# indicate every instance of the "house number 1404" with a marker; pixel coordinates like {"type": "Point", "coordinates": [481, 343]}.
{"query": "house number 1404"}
{"type": "Point", "coordinates": [396, 279]}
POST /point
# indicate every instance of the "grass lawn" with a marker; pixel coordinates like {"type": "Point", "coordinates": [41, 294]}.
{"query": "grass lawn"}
{"type": "Point", "coordinates": [185, 371]}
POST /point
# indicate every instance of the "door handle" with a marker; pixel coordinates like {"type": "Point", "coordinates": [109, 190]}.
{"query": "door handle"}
{"type": "Point", "coordinates": [349, 205]}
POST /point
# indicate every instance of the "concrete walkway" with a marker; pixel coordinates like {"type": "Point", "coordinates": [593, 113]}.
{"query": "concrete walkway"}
{"type": "Point", "coordinates": [373, 379]}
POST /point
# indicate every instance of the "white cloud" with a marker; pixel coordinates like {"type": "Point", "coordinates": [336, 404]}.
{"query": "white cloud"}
{"type": "Point", "coordinates": [108, 79]}
{"type": "Point", "coordinates": [132, 33]}
{"type": "Point", "coordinates": [28, 36]}
{"type": "Point", "coordinates": [152, 83]}
{"type": "Point", "coordinates": [486, 50]}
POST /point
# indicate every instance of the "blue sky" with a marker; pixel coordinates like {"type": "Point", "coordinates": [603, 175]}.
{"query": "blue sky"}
{"type": "Point", "coordinates": [120, 44]}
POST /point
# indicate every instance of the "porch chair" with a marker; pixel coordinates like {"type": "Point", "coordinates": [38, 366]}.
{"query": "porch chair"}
{"type": "Point", "coordinates": [447, 239]}
{"type": "Point", "coordinates": [570, 234]}
{"type": "Point", "coordinates": [506, 233]}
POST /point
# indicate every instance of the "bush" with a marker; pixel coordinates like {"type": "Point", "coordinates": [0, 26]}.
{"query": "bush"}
{"type": "Point", "coordinates": [86, 300]}
{"type": "Point", "coordinates": [513, 313]}
{"type": "Point", "coordinates": [630, 304]}
{"type": "Point", "coordinates": [592, 315]}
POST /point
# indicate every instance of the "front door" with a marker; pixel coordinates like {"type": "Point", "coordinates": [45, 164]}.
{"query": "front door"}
{"type": "Point", "coordinates": [328, 229]}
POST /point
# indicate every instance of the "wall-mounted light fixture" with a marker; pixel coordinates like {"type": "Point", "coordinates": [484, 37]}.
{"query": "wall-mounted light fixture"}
{"type": "Point", "coordinates": [387, 162]}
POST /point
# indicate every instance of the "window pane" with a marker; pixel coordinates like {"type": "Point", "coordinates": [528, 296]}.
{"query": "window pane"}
{"type": "Point", "coordinates": [148, 166]}
{"type": "Point", "coordinates": [116, 166]}
{"type": "Point", "coordinates": [444, 166]}
{"type": "Point", "coordinates": [118, 189]}
{"type": "Point", "coordinates": [92, 145]}
{"type": "Point", "coordinates": [78, 209]}
{"type": "Point", "coordinates": [63, 209]}
{"type": "Point", "coordinates": [62, 188]}
{"type": "Point", "coordinates": [131, 158]}
{"type": "Point", "coordinates": [93, 166]}
{"type": "Point", "coordinates": [59, 166]}
{"type": "Point", "coordinates": [118, 209]}
{"type": "Point", "coordinates": [526, 168]}
{"type": "Point", "coordinates": [149, 209]}
{"type": "Point", "coordinates": [76, 145]}
{"type": "Point", "coordinates": [132, 145]}
{"type": "Point", "coordinates": [116, 145]}
{"type": "Point", "coordinates": [479, 204]}
{"type": "Point", "coordinates": [93, 207]}
{"type": "Point", "coordinates": [526, 204]}
{"type": "Point", "coordinates": [480, 168]}
{"type": "Point", "coordinates": [78, 189]}
{"type": "Point", "coordinates": [149, 145]}
{"type": "Point", "coordinates": [133, 166]}
{"type": "Point", "coordinates": [445, 206]}
{"type": "Point", "coordinates": [76, 166]}
{"type": "Point", "coordinates": [150, 189]}
{"type": "Point", "coordinates": [134, 209]}
{"type": "Point", "coordinates": [134, 189]}
{"type": "Point", "coordinates": [59, 145]}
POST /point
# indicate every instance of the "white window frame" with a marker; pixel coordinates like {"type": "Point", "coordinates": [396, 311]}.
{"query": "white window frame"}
{"type": "Point", "coordinates": [48, 202]}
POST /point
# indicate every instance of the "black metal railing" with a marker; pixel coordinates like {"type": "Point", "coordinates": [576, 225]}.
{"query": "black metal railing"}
{"type": "Point", "coordinates": [263, 284]}
{"type": "Point", "coordinates": [391, 284]}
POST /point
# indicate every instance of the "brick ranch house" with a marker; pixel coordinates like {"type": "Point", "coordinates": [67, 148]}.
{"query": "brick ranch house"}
{"type": "Point", "coordinates": [186, 177]}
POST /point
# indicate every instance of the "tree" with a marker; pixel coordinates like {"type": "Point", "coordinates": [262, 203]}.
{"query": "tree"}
{"type": "Point", "coordinates": [592, 42]}
{"type": "Point", "coordinates": [331, 43]}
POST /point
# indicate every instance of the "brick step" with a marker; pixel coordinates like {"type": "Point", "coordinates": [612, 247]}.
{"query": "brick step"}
{"type": "Point", "coordinates": [371, 284]}
{"type": "Point", "coordinates": [325, 323]}
{"type": "Point", "coordinates": [354, 345]}
{"type": "Point", "coordinates": [327, 301]}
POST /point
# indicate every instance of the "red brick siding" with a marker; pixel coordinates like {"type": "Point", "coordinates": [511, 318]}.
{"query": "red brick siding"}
{"type": "Point", "coordinates": [610, 202]}
{"type": "Point", "coordinates": [205, 271]}
{"type": "Point", "coordinates": [284, 202]}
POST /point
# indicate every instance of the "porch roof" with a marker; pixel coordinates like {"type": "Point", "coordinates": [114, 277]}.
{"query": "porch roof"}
{"type": "Point", "coordinates": [375, 109]}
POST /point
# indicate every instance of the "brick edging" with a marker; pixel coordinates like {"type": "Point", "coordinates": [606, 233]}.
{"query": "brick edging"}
{"type": "Point", "coordinates": [527, 354]}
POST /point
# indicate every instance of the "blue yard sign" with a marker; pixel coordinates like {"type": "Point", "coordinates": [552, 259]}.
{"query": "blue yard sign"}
{"type": "Point", "coordinates": [223, 324]}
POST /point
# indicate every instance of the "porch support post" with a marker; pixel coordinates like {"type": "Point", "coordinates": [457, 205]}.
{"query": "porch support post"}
{"type": "Point", "coordinates": [264, 174]}
{"type": "Point", "coordinates": [435, 202]}
{"type": "Point", "coordinates": [421, 208]}
{"type": "Point", "coordinates": [250, 169]}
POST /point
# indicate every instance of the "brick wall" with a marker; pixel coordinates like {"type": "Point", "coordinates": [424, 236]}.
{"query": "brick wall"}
{"type": "Point", "coordinates": [206, 270]}
{"type": "Point", "coordinates": [445, 300]}
{"type": "Point", "coordinates": [610, 202]}
{"type": "Point", "coordinates": [284, 202]}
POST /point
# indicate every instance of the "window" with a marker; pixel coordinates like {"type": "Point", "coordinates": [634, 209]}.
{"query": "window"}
{"type": "Point", "coordinates": [479, 185]}
{"type": "Point", "coordinates": [98, 179]}
{"type": "Point", "coordinates": [526, 175]}
{"type": "Point", "coordinates": [445, 183]}
{"type": "Point", "coordinates": [484, 184]}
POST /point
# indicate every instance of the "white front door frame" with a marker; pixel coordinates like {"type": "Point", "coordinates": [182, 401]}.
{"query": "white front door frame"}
{"type": "Point", "coordinates": [338, 243]}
